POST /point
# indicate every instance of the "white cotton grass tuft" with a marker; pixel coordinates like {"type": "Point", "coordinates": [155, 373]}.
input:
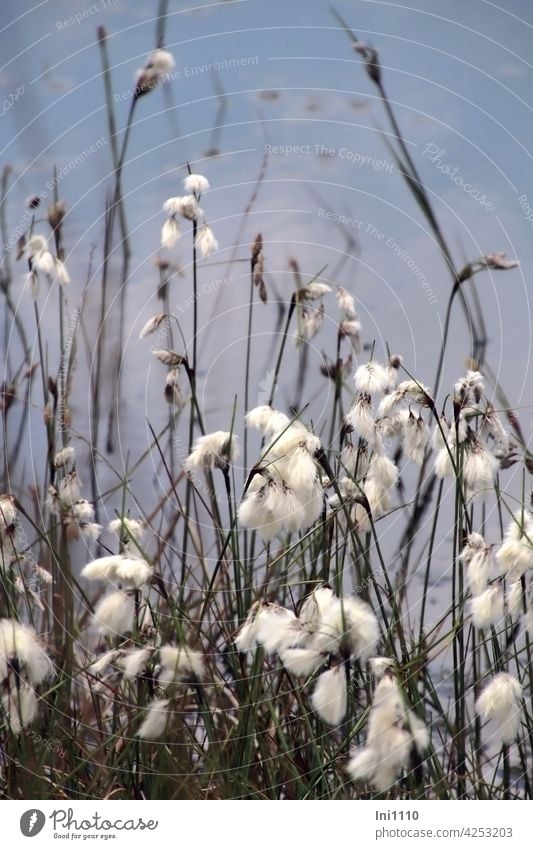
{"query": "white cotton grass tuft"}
{"type": "Point", "coordinates": [515, 555]}
{"type": "Point", "coordinates": [245, 639]}
{"type": "Point", "coordinates": [315, 290]}
{"type": "Point", "coordinates": [70, 488]}
{"type": "Point", "coordinates": [351, 329]}
{"type": "Point", "coordinates": [65, 457]}
{"type": "Point", "coordinates": [19, 643]}
{"type": "Point", "coordinates": [134, 662]}
{"type": "Point", "coordinates": [156, 70]}
{"type": "Point", "coordinates": [372, 378]}
{"type": "Point", "coordinates": [114, 614]}
{"type": "Point", "coordinates": [349, 627]}
{"type": "Point", "coordinates": [469, 389]}
{"type": "Point", "coordinates": [186, 206]}
{"type": "Point", "coordinates": [179, 664]}
{"type": "Point", "coordinates": [406, 391]}
{"type": "Point", "coordinates": [477, 557]}
{"type": "Point", "coordinates": [214, 450]}
{"type": "Point", "coordinates": [119, 570]}
{"type": "Point", "coordinates": [380, 666]}
{"type": "Point", "coordinates": [286, 493]}
{"type": "Point", "coordinates": [346, 304]}
{"type": "Point", "coordinates": [301, 662]}
{"type": "Point", "coordinates": [330, 698]}
{"type": "Point", "coordinates": [415, 438]}
{"type": "Point", "coordinates": [105, 663]}
{"type": "Point", "coordinates": [444, 465]}
{"type": "Point", "coordinates": [152, 324]}
{"type": "Point", "coordinates": [316, 605]}
{"type": "Point", "coordinates": [128, 528]}
{"type": "Point", "coordinates": [355, 460]}
{"type": "Point", "coordinates": [273, 507]}
{"type": "Point", "coordinates": [480, 466]}
{"type": "Point", "coordinates": [271, 626]}
{"type": "Point", "coordinates": [310, 321]}
{"type": "Point", "coordinates": [501, 702]}
{"type": "Point", "coordinates": [394, 733]}
{"type": "Point", "coordinates": [328, 630]}
{"type": "Point", "coordinates": [155, 721]}
{"type": "Point", "coordinates": [62, 275]}
{"type": "Point", "coordinates": [170, 233]}
{"type": "Point", "coordinates": [40, 258]}
{"type": "Point", "coordinates": [514, 599]}
{"type": "Point", "coordinates": [196, 184]}
{"type": "Point", "coordinates": [488, 608]}
{"type": "Point", "coordinates": [259, 417]}
{"type": "Point", "coordinates": [480, 570]}
{"type": "Point", "coordinates": [205, 243]}
{"type": "Point", "coordinates": [383, 471]}
{"type": "Point", "coordinates": [360, 418]}
{"type": "Point", "coordinates": [80, 519]}
{"type": "Point", "coordinates": [19, 707]}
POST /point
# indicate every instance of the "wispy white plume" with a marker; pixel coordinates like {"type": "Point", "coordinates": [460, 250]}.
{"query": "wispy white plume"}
{"type": "Point", "coordinates": [155, 721]}
{"type": "Point", "coordinates": [114, 614]}
{"type": "Point", "coordinates": [488, 608]}
{"type": "Point", "coordinates": [214, 450]}
{"type": "Point", "coordinates": [329, 697]}
{"type": "Point", "coordinates": [501, 702]}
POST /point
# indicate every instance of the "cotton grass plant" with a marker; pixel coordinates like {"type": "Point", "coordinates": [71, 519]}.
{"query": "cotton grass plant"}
{"type": "Point", "coordinates": [254, 640]}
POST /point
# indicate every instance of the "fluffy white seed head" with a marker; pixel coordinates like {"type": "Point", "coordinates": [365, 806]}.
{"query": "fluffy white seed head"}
{"type": "Point", "coordinates": [186, 206]}
{"type": "Point", "coordinates": [347, 626]}
{"type": "Point", "coordinates": [206, 244]}
{"type": "Point", "coordinates": [346, 303]}
{"type": "Point", "coordinates": [155, 721]}
{"type": "Point", "coordinates": [360, 418]}
{"type": "Point", "coordinates": [113, 615]}
{"type": "Point", "coordinates": [19, 708]}
{"type": "Point", "coordinates": [118, 570]}
{"type": "Point", "coordinates": [259, 417]}
{"type": "Point", "coordinates": [415, 438]}
{"type": "Point", "coordinates": [134, 662]}
{"type": "Point", "coordinates": [179, 664]}
{"type": "Point", "coordinates": [500, 701]}
{"type": "Point", "coordinates": [161, 60]}
{"type": "Point", "coordinates": [480, 570]}
{"type": "Point", "coordinates": [513, 599]}
{"type": "Point", "coordinates": [480, 467]}
{"type": "Point", "coordinates": [126, 527]}
{"type": "Point", "coordinates": [19, 643]}
{"type": "Point", "coordinates": [315, 290]}
{"type": "Point", "coordinates": [214, 450]}
{"type": "Point", "coordinates": [170, 233]}
{"type": "Point", "coordinates": [330, 697]}
{"type": "Point", "coordinates": [371, 377]}
{"type": "Point", "coordinates": [301, 662]}
{"type": "Point", "coordinates": [196, 184]}
{"type": "Point", "coordinates": [65, 457]}
{"type": "Point", "coordinates": [393, 732]}
{"type": "Point", "coordinates": [380, 666]}
{"type": "Point", "coordinates": [62, 274]}
{"type": "Point", "coordinates": [488, 608]}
